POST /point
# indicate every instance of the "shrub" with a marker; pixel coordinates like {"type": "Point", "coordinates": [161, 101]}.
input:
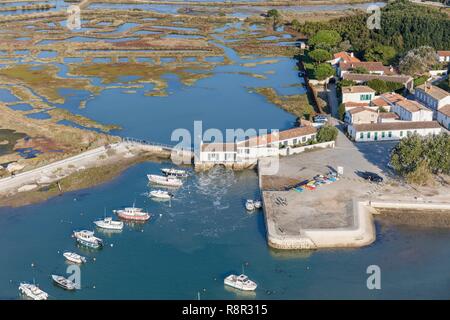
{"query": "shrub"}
{"type": "Point", "coordinates": [327, 133]}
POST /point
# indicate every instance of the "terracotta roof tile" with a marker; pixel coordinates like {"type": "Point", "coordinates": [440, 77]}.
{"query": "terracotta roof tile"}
{"type": "Point", "coordinates": [397, 125]}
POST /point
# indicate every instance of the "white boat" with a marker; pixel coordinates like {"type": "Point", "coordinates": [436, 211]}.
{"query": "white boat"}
{"type": "Point", "coordinates": [73, 257]}
{"type": "Point", "coordinates": [250, 205]}
{"type": "Point", "coordinates": [258, 204]}
{"type": "Point", "coordinates": [174, 172]}
{"type": "Point", "coordinates": [109, 223]}
{"type": "Point", "coordinates": [241, 282]}
{"type": "Point", "coordinates": [160, 194]}
{"type": "Point", "coordinates": [87, 238]}
{"type": "Point", "coordinates": [132, 213]}
{"type": "Point", "coordinates": [32, 291]}
{"type": "Point", "coordinates": [164, 181]}
{"type": "Point", "coordinates": [63, 282]}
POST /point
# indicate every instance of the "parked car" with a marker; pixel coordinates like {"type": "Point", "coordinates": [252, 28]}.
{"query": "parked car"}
{"type": "Point", "coordinates": [320, 118]}
{"type": "Point", "coordinates": [371, 176]}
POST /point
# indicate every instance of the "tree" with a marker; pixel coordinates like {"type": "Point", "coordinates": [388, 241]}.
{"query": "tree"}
{"type": "Point", "coordinates": [273, 13]}
{"type": "Point", "coordinates": [413, 151]}
{"type": "Point", "coordinates": [323, 71]}
{"type": "Point", "coordinates": [325, 39]}
{"type": "Point", "coordinates": [361, 70]}
{"type": "Point", "coordinates": [378, 85]}
{"type": "Point", "coordinates": [407, 154]}
{"type": "Point", "coordinates": [341, 111]}
{"type": "Point", "coordinates": [295, 24]}
{"type": "Point", "coordinates": [320, 55]}
{"type": "Point", "coordinates": [418, 61]}
{"type": "Point", "coordinates": [381, 53]}
{"type": "Point", "coordinates": [327, 133]}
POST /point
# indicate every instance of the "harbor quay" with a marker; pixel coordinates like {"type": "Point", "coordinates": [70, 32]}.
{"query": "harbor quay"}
{"type": "Point", "coordinates": [340, 214]}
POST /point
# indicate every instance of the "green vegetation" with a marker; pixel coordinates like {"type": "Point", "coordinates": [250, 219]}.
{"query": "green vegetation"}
{"type": "Point", "coordinates": [341, 111]}
{"type": "Point", "coordinates": [297, 104]}
{"type": "Point", "coordinates": [381, 86]}
{"type": "Point", "coordinates": [320, 55]}
{"type": "Point", "coordinates": [327, 133]}
{"type": "Point", "coordinates": [404, 26]}
{"type": "Point", "coordinates": [360, 70]}
{"type": "Point", "coordinates": [323, 71]}
{"type": "Point", "coordinates": [420, 80]}
{"type": "Point", "coordinates": [44, 80]}
{"type": "Point", "coordinates": [418, 61]}
{"type": "Point", "coordinates": [325, 39]}
{"type": "Point", "coordinates": [416, 157]}
{"type": "Point", "coordinates": [381, 53]}
{"type": "Point", "coordinates": [273, 13]}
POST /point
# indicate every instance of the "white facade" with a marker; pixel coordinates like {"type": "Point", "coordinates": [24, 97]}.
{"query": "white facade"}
{"type": "Point", "coordinates": [406, 114]}
{"type": "Point", "coordinates": [391, 131]}
{"type": "Point", "coordinates": [431, 96]}
{"type": "Point", "coordinates": [443, 117]}
{"type": "Point", "coordinates": [357, 94]}
{"type": "Point", "coordinates": [250, 150]}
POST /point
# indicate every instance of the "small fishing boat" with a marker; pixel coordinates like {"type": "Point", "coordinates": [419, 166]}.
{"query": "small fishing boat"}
{"type": "Point", "coordinates": [32, 291]}
{"type": "Point", "coordinates": [241, 282]}
{"type": "Point", "coordinates": [73, 257]}
{"type": "Point", "coordinates": [87, 238]}
{"type": "Point", "coordinates": [161, 194]}
{"type": "Point", "coordinates": [258, 204]}
{"type": "Point", "coordinates": [174, 172]}
{"type": "Point", "coordinates": [132, 213]}
{"type": "Point", "coordinates": [63, 282]}
{"type": "Point", "coordinates": [164, 181]}
{"type": "Point", "coordinates": [109, 223]}
{"type": "Point", "coordinates": [250, 205]}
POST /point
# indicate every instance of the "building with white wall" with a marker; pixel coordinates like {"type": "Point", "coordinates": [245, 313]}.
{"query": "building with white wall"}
{"type": "Point", "coordinates": [361, 115]}
{"type": "Point", "coordinates": [357, 94]}
{"type": "Point", "coordinates": [431, 96]}
{"type": "Point", "coordinates": [395, 130]}
{"type": "Point", "coordinates": [444, 56]}
{"type": "Point", "coordinates": [251, 149]}
{"type": "Point", "coordinates": [409, 110]}
{"type": "Point", "coordinates": [443, 116]}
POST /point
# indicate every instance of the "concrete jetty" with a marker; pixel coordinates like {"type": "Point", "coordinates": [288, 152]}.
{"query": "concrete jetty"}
{"type": "Point", "coordinates": [341, 214]}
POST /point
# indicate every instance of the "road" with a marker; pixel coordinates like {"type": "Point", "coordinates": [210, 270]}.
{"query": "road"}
{"type": "Point", "coordinates": [30, 177]}
{"type": "Point", "coordinates": [333, 99]}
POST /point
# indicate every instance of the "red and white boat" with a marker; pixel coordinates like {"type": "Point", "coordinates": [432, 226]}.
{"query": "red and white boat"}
{"type": "Point", "coordinates": [132, 213]}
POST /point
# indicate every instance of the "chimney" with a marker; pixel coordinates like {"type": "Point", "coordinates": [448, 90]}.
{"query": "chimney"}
{"type": "Point", "coordinates": [351, 54]}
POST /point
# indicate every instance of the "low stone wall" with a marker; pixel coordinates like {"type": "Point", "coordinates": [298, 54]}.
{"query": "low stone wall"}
{"type": "Point", "coordinates": [203, 166]}
{"type": "Point", "coordinates": [361, 233]}
{"type": "Point", "coordinates": [289, 151]}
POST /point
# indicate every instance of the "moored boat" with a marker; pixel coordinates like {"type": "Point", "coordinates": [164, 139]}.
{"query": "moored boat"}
{"type": "Point", "coordinates": [63, 282]}
{"type": "Point", "coordinates": [109, 223]}
{"type": "Point", "coordinates": [174, 172]}
{"type": "Point", "coordinates": [87, 238]}
{"type": "Point", "coordinates": [73, 257]}
{"type": "Point", "coordinates": [241, 282]}
{"type": "Point", "coordinates": [132, 213]}
{"type": "Point", "coordinates": [32, 291]}
{"type": "Point", "coordinates": [257, 204]}
{"type": "Point", "coordinates": [160, 194]}
{"type": "Point", "coordinates": [164, 181]}
{"type": "Point", "coordinates": [250, 205]}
